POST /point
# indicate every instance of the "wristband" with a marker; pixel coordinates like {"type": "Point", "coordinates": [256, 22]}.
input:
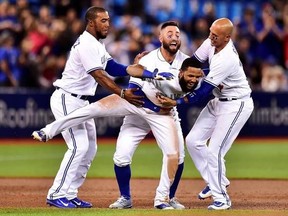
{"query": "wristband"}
{"type": "Point", "coordinates": [180, 101]}
{"type": "Point", "coordinates": [147, 74]}
{"type": "Point", "coordinates": [122, 93]}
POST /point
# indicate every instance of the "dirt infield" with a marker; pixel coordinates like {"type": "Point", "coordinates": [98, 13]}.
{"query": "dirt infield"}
{"type": "Point", "coordinates": [245, 194]}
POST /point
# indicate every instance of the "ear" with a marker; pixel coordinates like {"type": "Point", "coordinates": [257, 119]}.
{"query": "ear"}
{"type": "Point", "coordinates": [228, 37]}
{"type": "Point", "coordinates": [181, 72]}
{"type": "Point", "coordinates": [161, 38]}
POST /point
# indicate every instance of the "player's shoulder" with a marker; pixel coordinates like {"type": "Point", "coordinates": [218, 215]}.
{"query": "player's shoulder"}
{"type": "Point", "coordinates": [87, 43]}
{"type": "Point", "coordinates": [149, 58]}
{"type": "Point", "coordinates": [230, 52]}
{"type": "Point", "coordinates": [181, 56]}
{"type": "Point", "coordinates": [89, 40]}
{"type": "Point", "coordinates": [151, 55]}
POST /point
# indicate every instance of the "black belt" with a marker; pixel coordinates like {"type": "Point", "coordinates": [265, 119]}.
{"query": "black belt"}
{"type": "Point", "coordinates": [82, 97]}
{"type": "Point", "coordinates": [227, 99]}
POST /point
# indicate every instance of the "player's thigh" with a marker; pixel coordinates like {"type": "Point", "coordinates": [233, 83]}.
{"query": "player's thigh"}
{"type": "Point", "coordinates": [164, 130]}
{"type": "Point", "coordinates": [62, 104]}
{"type": "Point", "coordinates": [77, 138]}
{"type": "Point", "coordinates": [202, 128]}
{"type": "Point", "coordinates": [112, 105]}
{"type": "Point", "coordinates": [231, 118]}
{"type": "Point", "coordinates": [180, 141]}
{"type": "Point", "coordinates": [133, 130]}
{"type": "Point", "coordinates": [92, 138]}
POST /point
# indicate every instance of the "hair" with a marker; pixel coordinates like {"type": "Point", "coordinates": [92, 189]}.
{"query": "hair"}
{"type": "Point", "coordinates": [169, 23]}
{"type": "Point", "coordinates": [91, 13]}
{"type": "Point", "coordinates": [190, 62]}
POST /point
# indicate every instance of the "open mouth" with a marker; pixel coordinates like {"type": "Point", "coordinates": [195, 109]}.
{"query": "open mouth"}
{"type": "Point", "coordinates": [190, 85]}
{"type": "Point", "coordinates": [173, 44]}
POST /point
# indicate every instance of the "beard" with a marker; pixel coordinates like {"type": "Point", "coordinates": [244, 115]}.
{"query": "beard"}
{"type": "Point", "coordinates": [166, 46]}
{"type": "Point", "coordinates": [183, 85]}
{"type": "Point", "coordinates": [100, 35]}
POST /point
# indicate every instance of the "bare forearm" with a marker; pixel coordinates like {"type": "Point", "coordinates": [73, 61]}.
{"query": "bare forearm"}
{"type": "Point", "coordinates": [106, 82]}
{"type": "Point", "coordinates": [135, 70]}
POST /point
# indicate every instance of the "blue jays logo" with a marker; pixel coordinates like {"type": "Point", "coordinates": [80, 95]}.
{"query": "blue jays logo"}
{"type": "Point", "coordinates": [103, 59]}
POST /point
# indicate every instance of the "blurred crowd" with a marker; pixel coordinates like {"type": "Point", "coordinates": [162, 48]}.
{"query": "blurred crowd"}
{"type": "Point", "coordinates": [36, 35]}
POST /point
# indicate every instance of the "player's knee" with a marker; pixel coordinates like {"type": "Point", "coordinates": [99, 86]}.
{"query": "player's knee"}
{"type": "Point", "coordinates": [173, 158]}
{"type": "Point", "coordinates": [82, 150]}
{"type": "Point", "coordinates": [188, 142]}
{"type": "Point", "coordinates": [181, 155]}
{"type": "Point", "coordinates": [212, 157]}
{"type": "Point", "coordinates": [194, 145]}
{"type": "Point", "coordinates": [181, 159]}
{"type": "Point", "coordinates": [121, 161]}
{"type": "Point", "coordinates": [91, 153]}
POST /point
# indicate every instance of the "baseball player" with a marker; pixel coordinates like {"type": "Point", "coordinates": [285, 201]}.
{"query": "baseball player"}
{"type": "Point", "coordinates": [162, 122]}
{"type": "Point", "coordinates": [134, 129]}
{"type": "Point", "coordinates": [83, 71]}
{"type": "Point", "coordinates": [223, 117]}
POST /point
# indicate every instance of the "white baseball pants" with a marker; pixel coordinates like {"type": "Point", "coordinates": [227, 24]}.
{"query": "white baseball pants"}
{"type": "Point", "coordinates": [82, 147]}
{"type": "Point", "coordinates": [219, 123]}
{"type": "Point", "coordinates": [162, 126]}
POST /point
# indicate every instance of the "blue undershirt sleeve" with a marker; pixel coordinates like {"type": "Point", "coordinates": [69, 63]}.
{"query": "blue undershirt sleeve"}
{"type": "Point", "coordinates": [115, 69]}
{"type": "Point", "coordinates": [197, 95]}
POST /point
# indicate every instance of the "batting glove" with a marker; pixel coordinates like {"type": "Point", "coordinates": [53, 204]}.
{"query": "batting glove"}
{"type": "Point", "coordinates": [162, 75]}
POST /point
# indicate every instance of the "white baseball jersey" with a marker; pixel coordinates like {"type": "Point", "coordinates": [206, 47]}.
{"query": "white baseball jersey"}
{"type": "Point", "coordinates": [222, 118]}
{"type": "Point", "coordinates": [224, 73]}
{"type": "Point", "coordinates": [171, 88]}
{"type": "Point", "coordinates": [86, 55]}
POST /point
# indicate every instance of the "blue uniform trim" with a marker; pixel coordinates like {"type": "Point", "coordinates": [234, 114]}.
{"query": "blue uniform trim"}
{"type": "Point", "coordinates": [147, 103]}
{"type": "Point", "coordinates": [205, 70]}
{"type": "Point", "coordinates": [123, 176]}
{"type": "Point", "coordinates": [197, 58]}
{"type": "Point", "coordinates": [199, 94]}
{"type": "Point", "coordinates": [115, 69]}
{"type": "Point", "coordinates": [176, 181]}
{"type": "Point", "coordinates": [73, 152]}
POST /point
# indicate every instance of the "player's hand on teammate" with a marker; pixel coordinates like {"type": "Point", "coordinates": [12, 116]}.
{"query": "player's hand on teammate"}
{"type": "Point", "coordinates": [165, 111]}
{"type": "Point", "coordinates": [139, 56]}
{"type": "Point", "coordinates": [132, 98]}
{"type": "Point", "coordinates": [162, 75]}
{"type": "Point", "coordinates": [166, 101]}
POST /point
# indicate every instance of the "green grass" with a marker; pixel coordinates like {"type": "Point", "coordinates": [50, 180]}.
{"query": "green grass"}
{"type": "Point", "coordinates": [247, 159]}
{"type": "Point", "coordinates": [258, 160]}
{"type": "Point", "coordinates": [136, 212]}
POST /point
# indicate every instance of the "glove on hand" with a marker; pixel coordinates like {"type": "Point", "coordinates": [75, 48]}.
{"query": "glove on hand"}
{"type": "Point", "coordinates": [162, 75]}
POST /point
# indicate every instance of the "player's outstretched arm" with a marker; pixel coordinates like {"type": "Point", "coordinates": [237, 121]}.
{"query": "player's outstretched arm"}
{"type": "Point", "coordinates": [110, 85]}
{"type": "Point", "coordinates": [192, 97]}
{"type": "Point", "coordinates": [137, 70]}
